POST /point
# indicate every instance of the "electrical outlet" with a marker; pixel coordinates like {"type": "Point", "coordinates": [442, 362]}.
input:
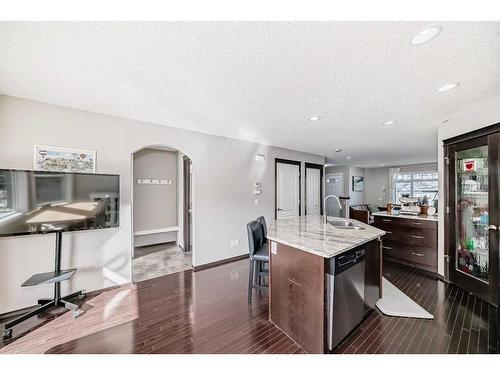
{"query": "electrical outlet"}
{"type": "Point", "coordinates": [234, 243]}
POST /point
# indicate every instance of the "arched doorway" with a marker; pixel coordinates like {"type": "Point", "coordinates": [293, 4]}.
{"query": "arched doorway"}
{"type": "Point", "coordinates": [161, 212]}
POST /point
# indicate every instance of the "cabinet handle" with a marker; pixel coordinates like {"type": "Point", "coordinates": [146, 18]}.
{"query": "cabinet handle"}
{"type": "Point", "coordinates": [419, 237]}
{"type": "Point", "coordinates": [417, 254]}
{"type": "Point", "coordinates": [387, 232]}
{"type": "Point", "coordinates": [389, 221]}
{"type": "Point", "coordinates": [417, 223]}
{"type": "Point", "coordinates": [387, 247]}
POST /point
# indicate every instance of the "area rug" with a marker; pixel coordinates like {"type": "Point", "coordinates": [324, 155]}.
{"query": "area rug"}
{"type": "Point", "coordinates": [395, 303]}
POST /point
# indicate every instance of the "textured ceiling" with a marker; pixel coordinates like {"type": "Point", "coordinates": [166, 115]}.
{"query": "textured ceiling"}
{"type": "Point", "coordinates": [262, 81]}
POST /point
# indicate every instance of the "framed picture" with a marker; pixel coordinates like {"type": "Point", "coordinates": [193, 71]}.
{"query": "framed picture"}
{"type": "Point", "coordinates": [357, 183]}
{"type": "Point", "coordinates": [62, 159]}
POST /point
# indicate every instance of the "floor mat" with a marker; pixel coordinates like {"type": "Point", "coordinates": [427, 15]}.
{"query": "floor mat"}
{"type": "Point", "coordinates": [395, 303]}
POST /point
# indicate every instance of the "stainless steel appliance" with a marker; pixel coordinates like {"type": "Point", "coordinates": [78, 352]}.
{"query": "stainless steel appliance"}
{"type": "Point", "coordinates": [345, 294]}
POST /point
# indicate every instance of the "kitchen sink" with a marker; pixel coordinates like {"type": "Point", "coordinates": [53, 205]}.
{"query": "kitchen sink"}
{"type": "Point", "coordinates": [344, 224]}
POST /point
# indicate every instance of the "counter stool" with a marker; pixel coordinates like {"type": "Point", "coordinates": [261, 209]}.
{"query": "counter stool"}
{"type": "Point", "coordinates": [259, 256]}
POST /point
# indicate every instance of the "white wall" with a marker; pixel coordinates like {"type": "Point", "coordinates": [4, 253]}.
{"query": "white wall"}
{"type": "Point", "coordinates": [472, 117]}
{"type": "Point", "coordinates": [224, 171]}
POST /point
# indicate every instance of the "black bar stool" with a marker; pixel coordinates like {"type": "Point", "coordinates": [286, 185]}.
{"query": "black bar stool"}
{"type": "Point", "coordinates": [259, 255]}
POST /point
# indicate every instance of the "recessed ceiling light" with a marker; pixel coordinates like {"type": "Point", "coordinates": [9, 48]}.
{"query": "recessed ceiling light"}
{"type": "Point", "coordinates": [425, 35]}
{"type": "Point", "coordinates": [315, 118]}
{"type": "Point", "coordinates": [387, 123]}
{"type": "Point", "coordinates": [338, 149]}
{"type": "Point", "coordinates": [349, 158]}
{"type": "Point", "coordinates": [448, 87]}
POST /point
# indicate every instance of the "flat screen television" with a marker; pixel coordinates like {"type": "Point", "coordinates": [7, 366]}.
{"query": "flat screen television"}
{"type": "Point", "coordinates": [38, 202]}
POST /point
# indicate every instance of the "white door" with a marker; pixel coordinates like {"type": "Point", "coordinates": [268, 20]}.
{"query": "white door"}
{"type": "Point", "coordinates": [313, 191]}
{"type": "Point", "coordinates": [334, 185]}
{"type": "Point", "coordinates": [287, 190]}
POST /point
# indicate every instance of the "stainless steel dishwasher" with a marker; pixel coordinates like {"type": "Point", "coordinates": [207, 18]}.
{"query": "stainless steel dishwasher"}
{"type": "Point", "coordinates": [345, 294]}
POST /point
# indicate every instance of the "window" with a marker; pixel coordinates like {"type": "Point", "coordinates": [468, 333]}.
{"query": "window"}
{"type": "Point", "coordinates": [423, 185]}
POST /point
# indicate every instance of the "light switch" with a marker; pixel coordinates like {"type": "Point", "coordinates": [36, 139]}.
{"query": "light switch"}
{"type": "Point", "coordinates": [260, 157]}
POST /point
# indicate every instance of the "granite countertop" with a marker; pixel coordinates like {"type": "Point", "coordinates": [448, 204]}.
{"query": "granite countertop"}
{"type": "Point", "coordinates": [418, 217]}
{"type": "Point", "coordinates": [309, 233]}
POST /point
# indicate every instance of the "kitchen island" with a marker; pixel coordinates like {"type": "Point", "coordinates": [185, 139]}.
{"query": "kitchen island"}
{"type": "Point", "coordinates": [304, 253]}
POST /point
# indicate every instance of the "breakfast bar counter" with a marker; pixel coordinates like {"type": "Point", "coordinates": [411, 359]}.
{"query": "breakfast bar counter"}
{"type": "Point", "coordinates": [312, 235]}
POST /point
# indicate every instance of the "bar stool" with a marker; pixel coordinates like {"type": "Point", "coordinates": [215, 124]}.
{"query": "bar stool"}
{"type": "Point", "coordinates": [259, 256]}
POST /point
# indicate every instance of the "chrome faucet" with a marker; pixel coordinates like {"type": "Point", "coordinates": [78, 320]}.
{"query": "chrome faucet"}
{"type": "Point", "coordinates": [324, 205]}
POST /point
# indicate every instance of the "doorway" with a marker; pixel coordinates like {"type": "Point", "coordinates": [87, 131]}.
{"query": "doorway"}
{"type": "Point", "coordinates": [187, 167]}
{"type": "Point", "coordinates": [161, 212]}
{"type": "Point", "coordinates": [334, 186]}
{"type": "Point", "coordinates": [287, 176]}
{"type": "Point", "coordinates": [314, 189]}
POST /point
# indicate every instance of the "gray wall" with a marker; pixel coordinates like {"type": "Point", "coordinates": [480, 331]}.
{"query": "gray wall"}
{"type": "Point", "coordinates": [376, 180]}
{"type": "Point", "coordinates": [155, 206]}
{"type": "Point", "coordinates": [224, 171]}
{"type": "Point", "coordinates": [357, 197]}
{"type": "Point", "coordinates": [332, 205]}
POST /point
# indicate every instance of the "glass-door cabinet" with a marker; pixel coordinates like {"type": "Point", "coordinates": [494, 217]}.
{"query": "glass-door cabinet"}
{"type": "Point", "coordinates": [471, 218]}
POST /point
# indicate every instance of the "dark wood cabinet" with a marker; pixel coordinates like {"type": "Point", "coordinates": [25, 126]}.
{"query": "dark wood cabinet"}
{"type": "Point", "coordinates": [410, 241]}
{"type": "Point", "coordinates": [373, 274]}
{"type": "Point", "coordinates": [297, 296]}
{"type": "Point", "coordinates": [472, 163]}
{"type": "Point", "coordinates": [298, 301]}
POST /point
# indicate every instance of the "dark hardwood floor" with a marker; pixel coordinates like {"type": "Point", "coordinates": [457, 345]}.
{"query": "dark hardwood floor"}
{"type": "Point", "coordinates": [187, 312]}
{"type": "Point", "coordinates": [207, 312]}
{"type": "Point", "coordinates": [462, 323]}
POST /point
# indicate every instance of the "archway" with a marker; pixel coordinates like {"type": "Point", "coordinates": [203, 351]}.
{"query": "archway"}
{"type": "Point", "coordinates": [161, 212]}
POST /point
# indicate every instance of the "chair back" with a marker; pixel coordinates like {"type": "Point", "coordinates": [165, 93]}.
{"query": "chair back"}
{"type": "Point", "coordinates": [262, 222]}
{"type": "Point", "coordinates": [255, 236]}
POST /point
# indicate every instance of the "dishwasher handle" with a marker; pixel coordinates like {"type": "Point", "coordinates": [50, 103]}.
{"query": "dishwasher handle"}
{"type": "Point", "coordinates": [342, 261]}
{"type": "Point", "coordinates": [345, 261]}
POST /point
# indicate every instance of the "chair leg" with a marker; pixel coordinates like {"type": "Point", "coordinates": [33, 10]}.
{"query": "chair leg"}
{"type": "Point", "coordinates": [256, 272]}
{"type": "Point", "coordinates": [263, 269]}
{"type": "Point", "coordinates": [250, 281]}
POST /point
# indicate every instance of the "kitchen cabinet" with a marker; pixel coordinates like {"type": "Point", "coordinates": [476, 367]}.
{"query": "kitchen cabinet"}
{"type": "Point", "coordinates": [298, 298]}
{"type": "Point", "coordinates": [373, 275]}
{"type": "Point", "coordinates": [409, 240]}
{"type": "Point", "coordinates": [297, 295]}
